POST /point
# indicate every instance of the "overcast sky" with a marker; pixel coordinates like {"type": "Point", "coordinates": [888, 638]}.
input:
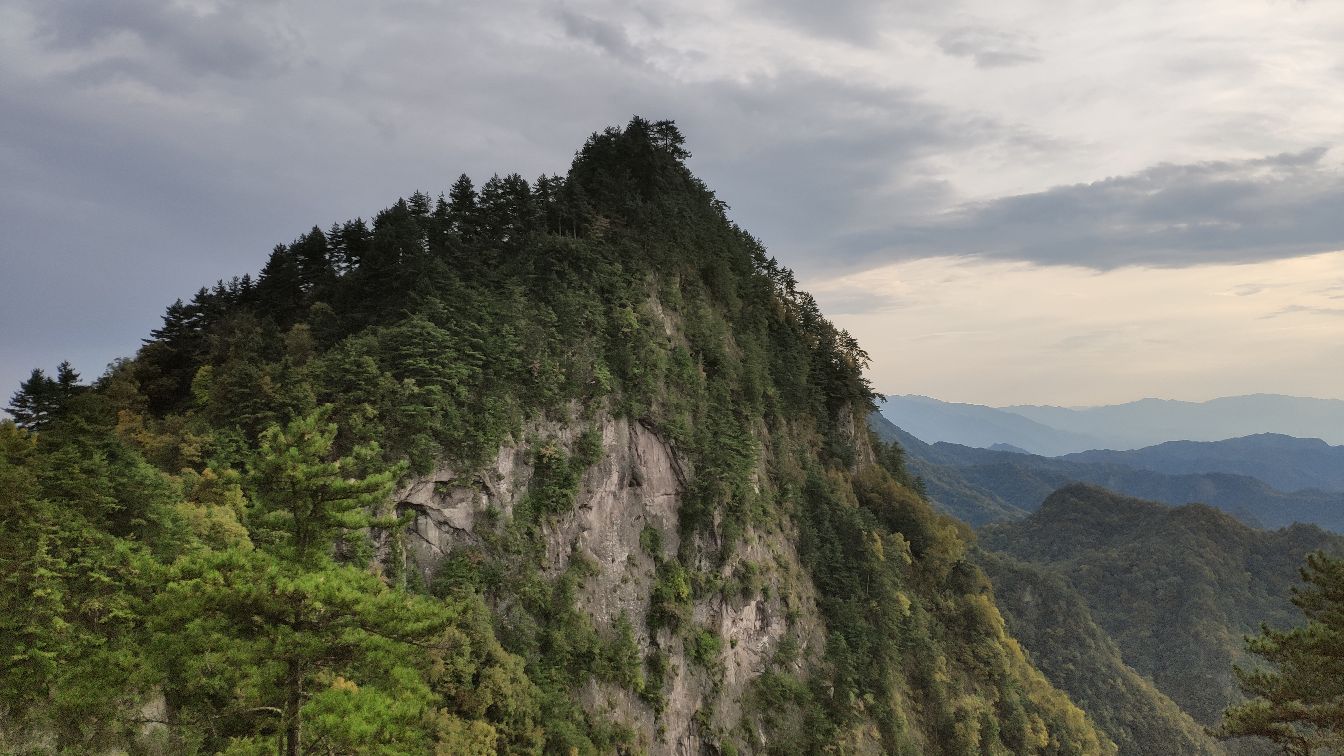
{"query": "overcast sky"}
{"type": "Point", "coordinates": [1007, 202]}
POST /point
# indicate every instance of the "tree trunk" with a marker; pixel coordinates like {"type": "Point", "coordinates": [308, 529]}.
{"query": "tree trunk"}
{"type": "Point", "coordinates": [293, 702]}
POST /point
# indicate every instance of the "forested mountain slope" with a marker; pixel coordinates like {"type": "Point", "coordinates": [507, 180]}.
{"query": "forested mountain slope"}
{"type": "Point", "coordinates": [1176, 588]}
{"type": "Point", "coordinates": [1054, 625]}
{"type": "Point", "coordinates": [564, 466]}
{"type": "Point", "coordinates": [939, 478]}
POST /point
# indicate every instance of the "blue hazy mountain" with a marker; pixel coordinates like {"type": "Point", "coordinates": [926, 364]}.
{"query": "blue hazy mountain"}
{"type": "Point", "coordinates": [1053, 431]}
{"type": "Point", "coordinates": [980, 486]}
{"type": "Point", "coordinates": [933, 420]}
{"type": "Point", "coordinates": [1284, 462]}
{"type": "Point", "coordinates": [1152, 421]}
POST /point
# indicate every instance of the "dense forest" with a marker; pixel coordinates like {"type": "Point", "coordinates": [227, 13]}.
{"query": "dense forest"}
{"type": "Point", "coordinates": [1055, 626]}
{"type": "Point", "coordinates": [1176, 589]}
{"type": "Point", "coordinates": [205, 549]}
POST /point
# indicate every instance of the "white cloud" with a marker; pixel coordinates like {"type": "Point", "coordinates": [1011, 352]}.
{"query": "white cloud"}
{"type": "Point", "coordinates": [1007, 333]}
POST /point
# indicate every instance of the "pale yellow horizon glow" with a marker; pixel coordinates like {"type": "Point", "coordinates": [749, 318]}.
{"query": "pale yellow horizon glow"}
{"type": "Point", "coordinates": [1003, 333]}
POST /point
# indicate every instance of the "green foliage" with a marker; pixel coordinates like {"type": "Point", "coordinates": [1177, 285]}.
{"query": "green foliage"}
{"type": "Point", "coordinates": [620, 662]}
{"type": "Point", "coordinates": [1176, 588]}
{"type": "Point", "coordinates": [555, 481]}
{"type": "Point", "coordinates": [791, 714]}
{"type": "Point", "coordinates": [41, 398]}
{"type": "Point", "coordinates": [304, 500]}
{"type": "Point", "coordinates": [1299, 704]}
{"type": "Point", "coordinates": [248, 645]}
{"type": "Point", "coordinates": [253, 603]}
{"type": "Point", "coordinates": [657, 667]}
{"type": "Point", "coordinates": [1055, 627]}
{"type": "Point", "coordinates": [908, 616]}
{"type": "Point", "coordinates": [670, 600]}
{"type": "Point", "coordinates": [704, 646]}
{"type": "Point", "coordinates": [80, 519]}
{"type": "Point", "coordinates": [651, 542]}
{"type": "Point", "coordinates": [746, 581]}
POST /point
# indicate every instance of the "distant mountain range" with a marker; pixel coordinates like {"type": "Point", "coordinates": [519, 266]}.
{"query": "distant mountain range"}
{"type": "Point", "coordinates": [1284, 462]}
{"type": "Point", "coordinates": [980, 486]}
{"type": "Point", "coordinates": [1053, 431]}
{"type": "Point", "coordinates": [977, 425]}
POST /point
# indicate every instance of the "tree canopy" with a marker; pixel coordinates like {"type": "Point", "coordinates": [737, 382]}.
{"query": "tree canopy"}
{"type": "Point", "coordinates": [1298, 702]}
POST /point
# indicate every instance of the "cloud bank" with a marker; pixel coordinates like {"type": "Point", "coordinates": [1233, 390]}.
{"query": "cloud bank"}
{"type": "Point", "coordinates": [1169, 215]}
{"type": "Point", "coordinates": [151, 146]}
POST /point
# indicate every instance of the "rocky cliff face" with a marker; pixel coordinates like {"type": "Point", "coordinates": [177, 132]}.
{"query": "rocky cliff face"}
{"type": "Point", "coordinates": [627, 502]}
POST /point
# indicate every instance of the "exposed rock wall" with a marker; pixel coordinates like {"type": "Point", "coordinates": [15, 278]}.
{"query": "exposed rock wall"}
{"type": "Point", "coordinates": [637, 483]}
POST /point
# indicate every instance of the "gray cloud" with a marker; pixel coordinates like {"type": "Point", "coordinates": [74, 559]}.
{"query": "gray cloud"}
{"type": "Point", "coordinates": [608, 37]}
{"type": "Point", "coordinates": [856, 22]}
{"type": "Point", "coordinates": [1167, 215]}
{"type": "Point", "coordinates": [988, 48]}
{"type": "Point", "coordinates": [234, 39]}
{"type": "Point", "coordinates": [848, 20]}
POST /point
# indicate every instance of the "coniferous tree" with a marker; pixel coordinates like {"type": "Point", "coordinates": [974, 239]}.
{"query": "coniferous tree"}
{"type": "Point", "coordinates": [41, 398]}
{"type": "Point", "coordinates": [168, 361]}
{"type": "Point", "coordinates": [304, 499]}
{"type": "Point", "coordinates": [1300, 705]}
{"type": "Point", "coordinates": [287, 621]}
{"type": "Point", "coordinates": [522, 207]}
{"type": "Point", "coordinates": [493, 213]}
{"type": "Point", "coordinates": [78, 510]}
{"type": "Point", "coordinates": [463, 208]}
{"type": "Point", "coordinates": [439, 235]}
{"type": "Point", "coordinates": [340, 263]}
{"type": "Point", "coordinates": [356, 239]}
{"type": "Point", "coordinates": [36, 401]}
{"type": "Point", "coordinates": [418, 203]}
{"type": "Point", "coordinates": [280, 289]}
{"type": "Point", "coordinates": [313, 255]}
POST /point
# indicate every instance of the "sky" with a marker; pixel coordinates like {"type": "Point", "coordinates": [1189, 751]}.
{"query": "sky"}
{"type": "Point", "coordinates": [1061, 202]}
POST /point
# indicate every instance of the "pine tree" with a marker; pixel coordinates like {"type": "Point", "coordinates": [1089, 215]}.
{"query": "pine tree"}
{"type": "Point", "coordinates": [256, 650]}
{"type": "Point", "coordinates": [522, 209]}
{"type": "Point", "coordinates": [288, 630]}
{"type": "Point", "coordinates": [313, 255]}
{"type": "Point", "coordinates": [493, 211]}
{"type": "Point", "coordinates": [1299, 706]}
{"type": "Point", "coordinates": [41, 398]}
{"type": "Point", "coordinates": [340, 262]}
{"type": "Point", "coordinates": [304, 499]}
{"type": "Point", "coordinates": [441, 238]}
{"type": "Point", "coordinates": [419, 204]}
{"type": "Point", "coordinates": [355, 240]}
{"type": "Point", "coordinates": [280, 289]}
{"type": "Point", "coordinates": [36, 401]}
{"type": "Point", "coordinates": [77, 511]}
{"type": "Point", "coordinates": [463, 208]}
